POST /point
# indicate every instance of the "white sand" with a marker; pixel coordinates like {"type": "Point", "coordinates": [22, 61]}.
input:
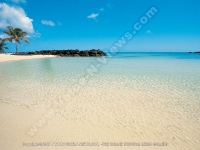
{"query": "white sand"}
{"type": "Point", "coordinates": [104, 115]}
{"type": "Point", "coordinates": [98, 119]}
{"type": "Point", "coordinates": [8, 57]}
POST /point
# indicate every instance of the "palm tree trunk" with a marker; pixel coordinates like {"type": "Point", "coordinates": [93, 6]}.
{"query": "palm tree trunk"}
{"type": "Point", "coordinates": [16, 47]}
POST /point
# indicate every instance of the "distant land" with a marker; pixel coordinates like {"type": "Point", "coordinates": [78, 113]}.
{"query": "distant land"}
{"type": "Point", "coordinates": [195, 52]}
{"type": "Point", "coordinates": [66, 53]}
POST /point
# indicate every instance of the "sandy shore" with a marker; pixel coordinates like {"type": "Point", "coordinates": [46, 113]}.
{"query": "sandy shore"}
{"type": "Point", "coordinates": [8, 57]}
{"type": "Point", "coordinates": [21, 128]}
{"type": "Point", "coordinates": [113, 115]}
{"type": "Point", "coordinates": [101, 122]}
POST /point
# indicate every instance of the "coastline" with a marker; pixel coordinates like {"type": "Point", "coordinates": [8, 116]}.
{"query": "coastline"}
{"type": "Point", "coordinates": [9, 57]}
{"type": "Point", "coordinates": [130, 109]}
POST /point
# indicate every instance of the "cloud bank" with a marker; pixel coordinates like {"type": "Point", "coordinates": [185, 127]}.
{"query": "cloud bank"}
{"type": "Point", "coordinates": [16, 17]}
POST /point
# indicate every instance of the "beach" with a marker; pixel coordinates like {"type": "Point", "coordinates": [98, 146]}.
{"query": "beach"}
{"type": "Point", "coordinates": [8, 57]}
{"type": "Point", "coordinates": [134, 101]}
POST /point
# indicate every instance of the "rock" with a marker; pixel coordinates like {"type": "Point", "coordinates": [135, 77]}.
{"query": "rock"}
{"type": "Point", "coordinates": [94, 51]}
{"type": "Point", "coordinates": [66, 53]}
{"type": "Point", "coordinates": [76, 55]}
{"type": "Point", "coordinates": [31, 53]}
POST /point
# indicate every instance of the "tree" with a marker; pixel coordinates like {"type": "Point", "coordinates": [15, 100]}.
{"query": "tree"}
{"type": "Point", "coordinates": [3, 45]}
{"type": "Point", "coordinates": [16, 34]}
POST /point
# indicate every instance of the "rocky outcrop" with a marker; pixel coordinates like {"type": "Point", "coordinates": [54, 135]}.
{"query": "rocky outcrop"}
{"type": "Point", "coordinates": [198, 53]}
{"type": "Point", "coordinates": [66, 53]}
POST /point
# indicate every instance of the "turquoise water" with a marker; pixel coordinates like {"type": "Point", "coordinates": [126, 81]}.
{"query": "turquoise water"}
{"type": "Point", "coordinates": [148, 95]}
{"type": "Point", "coordinates": [174, 75]}
{"type": "Point", "coordinates": [176, 71]}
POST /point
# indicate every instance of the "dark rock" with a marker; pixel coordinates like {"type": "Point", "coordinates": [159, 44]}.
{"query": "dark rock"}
{"type": "Point", "coordinates": [66, 53]}
{"type": "Point", "coordinates": [76, 55]}
{"type": "Point", "coordinates": [91, 54]}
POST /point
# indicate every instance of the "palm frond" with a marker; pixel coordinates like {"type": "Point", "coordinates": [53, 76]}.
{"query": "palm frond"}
{"type": "Point", "coordinates": [10, 28]}
{"type": "Point", "coordinates": [7, 39]}
{"type": "Point", "coordinates": [25, 40]}
{"type": "Point", "coordinates": [2, 46]}
{"type": "Point", "coordinates": [23, 33]}
{"type": "Point", "coordinates": [16, 34]}
{"type": "Point", "coordinates": [8, 33]}
{"type": "Point", "coordinates": [17, 41]}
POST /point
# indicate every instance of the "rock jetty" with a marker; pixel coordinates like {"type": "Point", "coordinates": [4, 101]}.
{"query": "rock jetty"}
{"type": "Point", "coordinates": [67, 53]}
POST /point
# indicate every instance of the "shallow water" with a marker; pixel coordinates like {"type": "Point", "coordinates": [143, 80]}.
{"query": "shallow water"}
{"type": "Point", "coordinates": [148, 95]}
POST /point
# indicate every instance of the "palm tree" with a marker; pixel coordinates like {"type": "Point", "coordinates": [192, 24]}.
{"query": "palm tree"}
{"type": "Point", "coordinates": [16, 34]}
{"type": "Point", "coordinates": [3, 45]}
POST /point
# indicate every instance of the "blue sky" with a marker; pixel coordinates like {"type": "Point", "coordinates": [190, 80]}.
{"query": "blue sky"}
{"type": "Point", "coordinates": [88, 24]}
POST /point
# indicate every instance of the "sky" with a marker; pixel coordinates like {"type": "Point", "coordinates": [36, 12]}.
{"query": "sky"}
{"type": "Point", "coordinates": [98, 24]}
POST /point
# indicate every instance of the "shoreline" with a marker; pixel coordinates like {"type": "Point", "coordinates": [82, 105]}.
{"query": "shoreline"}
{"type": "Point", "coordinates": [9, 57]}
{"type": "Point", "coordinates": [150, 108]}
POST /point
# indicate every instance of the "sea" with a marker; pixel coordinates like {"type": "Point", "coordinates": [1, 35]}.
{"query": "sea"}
{"type": "Point", "coordinates": [151, 94]}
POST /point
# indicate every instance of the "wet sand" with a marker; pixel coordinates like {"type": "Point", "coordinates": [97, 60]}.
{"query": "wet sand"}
{"type": "Point", "coordinates": [152, 122]}
{"type": "Point", "coordinates": [111, 115]}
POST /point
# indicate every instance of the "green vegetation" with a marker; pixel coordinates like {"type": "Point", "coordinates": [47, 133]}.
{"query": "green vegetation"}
{"type": "Point", "coordinates": [3, 45]}
{"type": "Point", "coordinates": [15, 34]}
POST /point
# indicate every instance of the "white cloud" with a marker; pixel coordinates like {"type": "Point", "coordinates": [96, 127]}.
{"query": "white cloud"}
{"type": "Point", "coordinates": [34, 35]}
{"type": "Point", "coordinates": [16, 17]}
{"type": "Point", "coordinates": [18, 1]}
{"type": "Point", "coordinates": [3, 36]}
{"type": "Point", "coordinates": [93, 16]}
{"type": "Point", "coordinates": [102, 9]}
{"type": "Point", "coordinates": [149, 32]}
{"type": "Point", "coordinates": [48, 22]}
